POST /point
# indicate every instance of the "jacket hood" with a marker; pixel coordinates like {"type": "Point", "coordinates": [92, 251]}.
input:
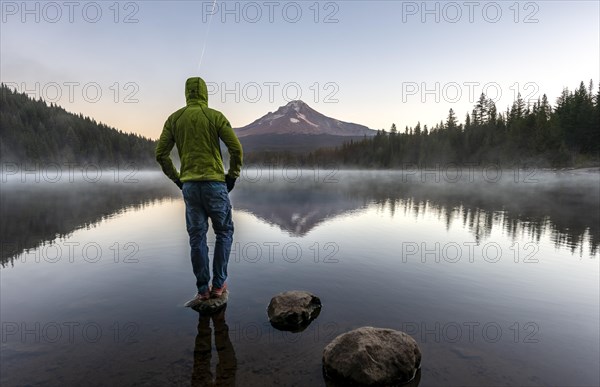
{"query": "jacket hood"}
{"type": "Point", "coordinates": [196, 91]}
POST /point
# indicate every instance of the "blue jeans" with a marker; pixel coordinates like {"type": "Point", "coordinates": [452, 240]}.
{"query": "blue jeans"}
{"type": "Point", "coordinates": [204, 200]}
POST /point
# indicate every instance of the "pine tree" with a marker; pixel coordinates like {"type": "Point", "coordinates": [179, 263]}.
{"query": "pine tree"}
{"type": "Point", "coordinates": [480, 114]}
{"type": "Point", "coordinates": [451, 121]}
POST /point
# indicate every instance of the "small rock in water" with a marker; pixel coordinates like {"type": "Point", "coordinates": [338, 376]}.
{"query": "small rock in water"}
{"type": "Point", "coordinates": [212, 305]}
{"type": "Point", "coordinates": [293, 310]}
{"type": "Point", "coordinates": [370, 356]}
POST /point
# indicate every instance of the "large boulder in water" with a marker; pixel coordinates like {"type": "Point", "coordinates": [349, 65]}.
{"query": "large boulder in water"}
{"type": "Point", "coordinates": [370, 356]}
{"type": "Point", "coordinates": [293, 310]}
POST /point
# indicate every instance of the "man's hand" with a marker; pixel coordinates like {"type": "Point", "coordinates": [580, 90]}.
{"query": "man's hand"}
{"type": "Point", "coordinates": [230, 181]}
{"type": "Point", "coordinates": [179, 183]}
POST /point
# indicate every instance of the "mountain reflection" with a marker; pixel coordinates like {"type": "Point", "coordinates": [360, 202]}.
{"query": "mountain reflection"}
{"type": "Point", "coordinates": [35, 213]}
{"type": "Point", "coordinates": [297, 208]}
{"type": "Point", "coordinates": [564, 205]}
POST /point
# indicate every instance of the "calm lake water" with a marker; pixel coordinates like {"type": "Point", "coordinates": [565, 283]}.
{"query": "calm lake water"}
{"type": "Point", "coordinates": [496, 277]}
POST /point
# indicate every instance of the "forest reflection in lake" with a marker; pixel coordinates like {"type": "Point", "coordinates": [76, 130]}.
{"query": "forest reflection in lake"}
{"type": "Point", "coordinates": [562, 204]}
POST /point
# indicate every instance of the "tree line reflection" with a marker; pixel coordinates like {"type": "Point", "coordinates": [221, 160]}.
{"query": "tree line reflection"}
{"type": "Point", "coordinates": [37, 213]}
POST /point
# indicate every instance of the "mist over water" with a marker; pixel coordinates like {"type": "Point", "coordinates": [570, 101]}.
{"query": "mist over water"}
{"type": "Point", "coordinates": [487, 272]}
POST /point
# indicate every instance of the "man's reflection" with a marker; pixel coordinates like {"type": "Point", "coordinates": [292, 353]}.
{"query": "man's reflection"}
{"type": "Point", "coordinates": [227, 365]}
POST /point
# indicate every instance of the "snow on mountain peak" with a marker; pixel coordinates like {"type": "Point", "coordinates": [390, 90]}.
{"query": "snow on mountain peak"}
{"type": "Point", "coordinates": [296, 105]}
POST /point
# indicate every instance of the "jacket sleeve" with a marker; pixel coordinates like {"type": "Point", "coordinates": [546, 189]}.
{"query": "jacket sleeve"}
{"type": "Point", "coordinates": [234, 147]}
{"type": "Point", "coordinates": [165, 144]}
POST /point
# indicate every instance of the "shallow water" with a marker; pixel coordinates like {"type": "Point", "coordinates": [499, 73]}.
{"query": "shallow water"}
{"type": "Point", "coordinates": [498, 281]}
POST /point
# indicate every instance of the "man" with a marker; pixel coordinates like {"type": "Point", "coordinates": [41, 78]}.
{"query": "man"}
{"type": "Point", "coordinates": [196, 130]}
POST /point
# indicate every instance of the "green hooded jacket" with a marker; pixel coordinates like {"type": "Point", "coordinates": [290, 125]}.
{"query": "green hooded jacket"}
{"type": "Point", "coordinates": [196, 130]}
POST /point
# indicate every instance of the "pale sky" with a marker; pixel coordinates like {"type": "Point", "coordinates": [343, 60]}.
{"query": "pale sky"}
{"type": "Point", "coordinates": [370, 62]}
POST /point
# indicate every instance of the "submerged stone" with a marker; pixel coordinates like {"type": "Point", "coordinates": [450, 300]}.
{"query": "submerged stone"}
{"type": "Point", "coordinates": [293, 310]}
{"type": "Point", "coordinates": [212, 305]}
{"type": "Point", "coordinates": [370, 356]}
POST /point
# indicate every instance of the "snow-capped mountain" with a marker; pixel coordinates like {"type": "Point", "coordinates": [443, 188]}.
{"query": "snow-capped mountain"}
{"type": "Point", "coordinates": [298, 126]}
